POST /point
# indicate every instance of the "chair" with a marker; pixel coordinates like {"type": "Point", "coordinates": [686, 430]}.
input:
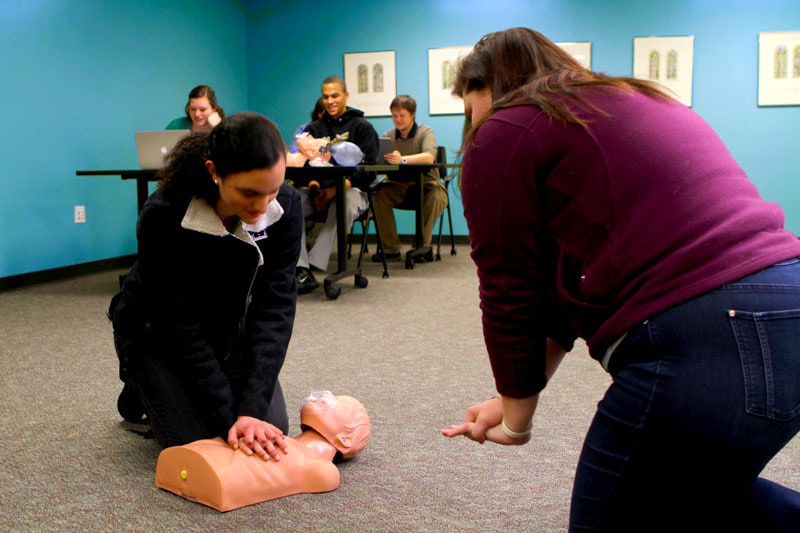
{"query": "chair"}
{"type": "Point", "coordinates": [364, 219]}
{"type": "Point", "coordinates": [441, 162]}
{"type": "Point", "coordinates": [369, 215]}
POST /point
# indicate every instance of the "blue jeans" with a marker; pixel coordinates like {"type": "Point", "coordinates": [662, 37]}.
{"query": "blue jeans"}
{"type": "Point", "coordinates": [703, 396]}
{"type": "Point", "coordinates": [174, 417]}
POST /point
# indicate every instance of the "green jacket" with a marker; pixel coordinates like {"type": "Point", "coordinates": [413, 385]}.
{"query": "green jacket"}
{"type": "Point", "coordinates": [180, 123]}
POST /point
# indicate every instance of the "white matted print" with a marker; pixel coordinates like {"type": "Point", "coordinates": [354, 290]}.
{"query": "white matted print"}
{"type": "Point", "coordinates": [779, 68]}
{"type": "Point", "coordinates": [371, 81]}
{"type": "Point", "coordinates": [668, 61]}
{"type": "Point", "coordinates": [581, 51]}
{"type": "Point", "coordinates": [442, 64]}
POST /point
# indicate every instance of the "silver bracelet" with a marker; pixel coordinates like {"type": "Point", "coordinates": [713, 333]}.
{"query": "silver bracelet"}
{"type": "Point", "coordinates": [514, 434]}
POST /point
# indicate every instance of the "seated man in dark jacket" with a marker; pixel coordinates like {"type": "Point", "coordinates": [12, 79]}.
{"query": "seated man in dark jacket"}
{"type": "Point", "coordinates": [339, 123]}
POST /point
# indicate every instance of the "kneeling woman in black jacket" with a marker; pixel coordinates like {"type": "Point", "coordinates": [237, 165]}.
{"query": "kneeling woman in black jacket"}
{"type": "Point", "coordinates": [204, 317]}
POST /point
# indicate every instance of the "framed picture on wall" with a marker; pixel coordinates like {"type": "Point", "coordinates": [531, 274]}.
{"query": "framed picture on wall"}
{"type": "Point", "coordinates": [371, 80]}
{"type": "Point", "coordinates": [779, 68]}
{"type": "Point", "coordinates": [668, 61]}
{"type": "Point", "coordinates": [581, 51]}
{"type": "Point", "coordinates": [441, 74]}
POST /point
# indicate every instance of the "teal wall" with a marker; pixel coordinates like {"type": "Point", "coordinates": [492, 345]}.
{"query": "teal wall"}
{"type": "Point", "coordinates": [80, 76]}
{"type": "Point", "coordinates": [294, 44]}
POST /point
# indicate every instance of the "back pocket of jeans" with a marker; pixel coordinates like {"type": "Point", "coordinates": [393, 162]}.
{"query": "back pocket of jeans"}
{"type": "Point", "coordinates": [769, 347]}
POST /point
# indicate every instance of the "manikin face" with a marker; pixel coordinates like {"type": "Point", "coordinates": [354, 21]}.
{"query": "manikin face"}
{"type": "Point", "coordinates": [199, 110]}
{"type": "Point", "coordinates": [403, 120]}
{"type": "Point", "coordinates": [345, 424]}
{"type": "Point", "coordinates": [477, 104]}
{"type": "Point", "coordinates": [335, 99]}
{"type": "Point", "coordinates": [247, 194]}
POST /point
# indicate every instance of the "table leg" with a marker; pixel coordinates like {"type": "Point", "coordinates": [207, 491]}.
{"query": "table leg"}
{"type": "Point", "coordinates": [341, 246]}
{"type": "Point", "coordinates": [420, 250]}
{"type": "Point", "coordinates": [341, 222]}
{"type": "Point", "coordinates": [142, 191]}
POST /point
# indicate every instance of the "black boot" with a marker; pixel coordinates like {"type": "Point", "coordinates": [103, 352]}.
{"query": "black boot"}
{"type": "Point", "coordinates": [129, 406]}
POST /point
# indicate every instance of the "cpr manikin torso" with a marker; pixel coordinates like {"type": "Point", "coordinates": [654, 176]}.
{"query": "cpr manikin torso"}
{"type": "Point", "coordinates": [212, 473]}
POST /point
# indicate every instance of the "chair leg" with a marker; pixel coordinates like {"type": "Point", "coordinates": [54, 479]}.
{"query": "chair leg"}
{"type": "Point", "coordinates": [379, 247]}
{"type": "Point", "coordinates": [364, 227]}
{"type": "Point", "coordinates": [350, 244]}
{"type": "Point", "coordinates": [439, 237]}
{"type": "Point", "coordinates": [371, 217]}
{"type": "Point", "coordinates": [450, 225]}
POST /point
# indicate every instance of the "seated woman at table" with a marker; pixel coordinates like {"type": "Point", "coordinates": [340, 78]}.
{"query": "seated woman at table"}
{"type": "Point", "coordinates": [202, 111]}
{"type": "Point", "coordinates": [204, 318]}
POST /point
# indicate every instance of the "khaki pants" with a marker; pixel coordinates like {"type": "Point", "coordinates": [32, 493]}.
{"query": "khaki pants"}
{"type": "Point", "coordinates": [393, 194]}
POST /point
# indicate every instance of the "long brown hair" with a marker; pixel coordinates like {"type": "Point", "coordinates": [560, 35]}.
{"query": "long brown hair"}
{"type": "Point", "coordinates": [522, 67]}
{"type": "Point", "coordinates": [201, 91]}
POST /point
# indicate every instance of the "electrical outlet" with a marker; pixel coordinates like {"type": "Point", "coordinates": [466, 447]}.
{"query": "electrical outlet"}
{"type": "Point", "coordinates": [80, 214]}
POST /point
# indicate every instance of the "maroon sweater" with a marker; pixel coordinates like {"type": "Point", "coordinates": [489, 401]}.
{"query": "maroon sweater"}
{"type": "Point", "coordinates": [584, 233]}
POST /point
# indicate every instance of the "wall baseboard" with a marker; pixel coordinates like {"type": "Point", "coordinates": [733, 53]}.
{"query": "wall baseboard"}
{"type": "Point", "coordinates": [92, 267]}
{"type": "Point", "coordinates": [72, 271]}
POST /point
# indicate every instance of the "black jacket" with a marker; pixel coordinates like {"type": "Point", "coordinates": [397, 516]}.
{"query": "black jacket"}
{"type": "Point", "coordinates": [353, 127]}
{"type": "Point", "coordinates": [197, 298]}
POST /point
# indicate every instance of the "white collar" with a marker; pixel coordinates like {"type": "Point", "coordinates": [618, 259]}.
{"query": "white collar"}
{"type": "Point", "coordinates": [201, 217]}
{"type": "Point", "coordinates": [258, 230]}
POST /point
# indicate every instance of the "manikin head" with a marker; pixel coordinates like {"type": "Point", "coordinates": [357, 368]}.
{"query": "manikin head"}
{"type": "Point", "coordinates": [341, 420]}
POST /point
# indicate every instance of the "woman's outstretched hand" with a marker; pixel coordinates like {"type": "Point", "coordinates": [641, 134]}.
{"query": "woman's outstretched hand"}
{"type": "Point", "coordinates": [482, 422]}
{"type": "Point", "coordinates": [252, 435]}
{"type": "Point", "coordinates": [477, 420]}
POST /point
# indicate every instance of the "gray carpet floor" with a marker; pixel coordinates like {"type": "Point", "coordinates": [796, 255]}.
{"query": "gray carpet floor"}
{"type": "Point", "coordinates": [409, 347]}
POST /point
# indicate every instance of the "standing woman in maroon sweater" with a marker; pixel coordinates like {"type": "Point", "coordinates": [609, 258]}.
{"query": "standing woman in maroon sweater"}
{"type": "Point", "coordinates": [601, 208]}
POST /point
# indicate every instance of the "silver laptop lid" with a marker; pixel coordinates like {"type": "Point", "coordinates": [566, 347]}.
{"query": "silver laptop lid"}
{"type": "Point", "coordinates": [153, 146]}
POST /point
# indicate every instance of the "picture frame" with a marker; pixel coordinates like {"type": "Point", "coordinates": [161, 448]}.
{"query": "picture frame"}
{"type": "Point", "coordinates": [779, 68]}
{"type": "Point", "coordinates": [668, 61]}
{"type": "Point", "coordinates": [581, 51]}
{"type": "Point", "coordinates": [441, 72]}
{"type": "Point", "coordinates": [371, 79]}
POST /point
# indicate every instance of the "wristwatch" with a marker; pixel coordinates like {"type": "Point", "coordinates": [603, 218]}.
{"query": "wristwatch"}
{"type": "Point", "coordinates": [404, 161]}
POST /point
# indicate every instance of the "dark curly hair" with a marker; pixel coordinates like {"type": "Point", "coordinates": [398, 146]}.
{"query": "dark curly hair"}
{"type": "Point", "coordinates": [185, 173]}
{"type": "Point", "coordinates": [241, 142]}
